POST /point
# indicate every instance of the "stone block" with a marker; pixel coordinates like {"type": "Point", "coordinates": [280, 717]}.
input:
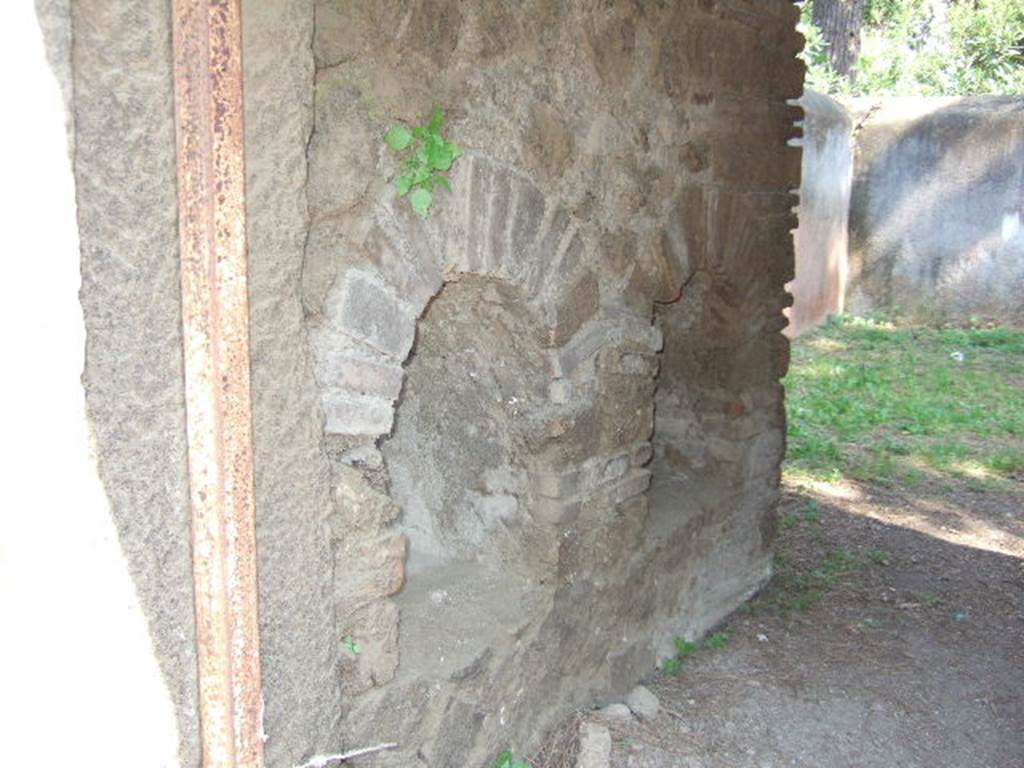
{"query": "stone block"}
{"type": "Point", "coordinates": [615, 468]}
{"type": "Point", "coordinates": [595, 746]}
{"type": "Point", "coordinates": [674, 259]}
{"type": "Point", "coordinates": [360, 507]}
{"type": "Point", "coordinates": [633, 484]}
{"type": "Point", "coordinates": [526, 223]}
{"type": "Point", "coordinates": [498, 221]}
{"type": "Point", "coordinates": [642, 455]}
{"type": "Point", "coordinates": [643, 703]}
{"type": "Point", "coordinates": [344, 369]}
{"type": "Point", "coordinates": [579, 304]}
{"type": "Point", "coordinates": [616, 711]}
{"type": "Point", "coordinates": [557, 485]}
{"type": "Point", "coordinates": [554, 511]}
{"type": "Point", "coordinates": [560, 391]}
{"type": "Point", "coordinates": [349, 414]}
{"type": "Point", "coordinates": [374, 628]}
{"type": "Point", "coordinates": [548, 145]}
{"type": "Point", "coordinates": [476, 259]}
{"type": "Point", "coordinates": [501, 506]}
{"type": "Point", "coordinates": [368, 310]}
{"type": "Point", "coordinates": [416, 277]}
{"type": "Point", "coordinates": [564, 263]}
{"type": "Point", "coordinates": [374, 569]}
{"type": "Point", "coordinates": [590, 339]}
{"type": "Point", "coordinates": [638, 365]}
{"type": "Point", "coordinates": [448, 222]}
{"type": "Point", "coordinates": [547, 251]}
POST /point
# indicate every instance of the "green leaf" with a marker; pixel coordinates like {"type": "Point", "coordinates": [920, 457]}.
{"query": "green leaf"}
{"type": "Point", "coordinates": [421, 200]}
{"type": "Point", "coordinates": [439, 154]}
{"type": "Point", "coordinates": [685, 647]}
{"type": "Point", "coordinates": [442, 180]}
{"type": "Point", "coordinates": [404, 183]}
{"type": "Point", "coordinates": [420, 175]}
{"type": "Point", "coordinates": [504, 760]}
{"type": "Point", "coordinates": [398, 138]}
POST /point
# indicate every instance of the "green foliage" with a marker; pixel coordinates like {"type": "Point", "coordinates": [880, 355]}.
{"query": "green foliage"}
{"type": "Point", "coordinates": [812, 512]}
{"type": "Point", "coordinates": [672, 666]}
{"type": "Point", "coordinates": [788, 521]}
{"type": "Point", "coordinates": [717, 641]}
{"type": "Point", "coordinates": [878, 556]}
{"type": "Point", "coordinates": [874, 401]}
{"type": "Point", "coordinates": [427, 158]}
{"type": "Point", "coordinates": [349, 642]}
{"type": "Point", "coordinates": [687, 648]}
{"type": "Point", "coordinates": [795, 588]}
{"type": "Point", "coordinates": [820, 75]}
{"type": "Point", "coordinates": [507, 760]}
{"type": "Point", "coordinates": [928, 48]}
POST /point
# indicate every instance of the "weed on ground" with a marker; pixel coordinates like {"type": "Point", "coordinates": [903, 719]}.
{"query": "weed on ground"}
{"type": "Point", "coordinates": [872, 401]}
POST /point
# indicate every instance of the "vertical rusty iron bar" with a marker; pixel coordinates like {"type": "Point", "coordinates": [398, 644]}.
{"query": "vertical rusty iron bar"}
{"type": "Point", "coordinates": [215, 322]}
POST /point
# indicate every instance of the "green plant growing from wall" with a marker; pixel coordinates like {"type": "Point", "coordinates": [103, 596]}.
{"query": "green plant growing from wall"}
{"type": "Point", "coordinates": [427, 159]}
{"type": "Point", "coordinates": [507, 760]}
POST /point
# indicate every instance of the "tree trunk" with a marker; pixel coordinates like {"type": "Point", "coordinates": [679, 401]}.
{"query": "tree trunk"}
{"type": "Point", "coordinates": [840, 22]}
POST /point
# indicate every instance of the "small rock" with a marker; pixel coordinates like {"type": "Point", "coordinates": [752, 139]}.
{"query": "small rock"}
{"type": "Point", "coordinates": [616, 711]}
{"type": "Point", "coordinates": [595, 746]}
{"type": "Point", "coordinates": [761, 638]}
{"type": "Point", "coordinates": [644, 704]}
{"type": "Point", "coordinates": [363, 456]}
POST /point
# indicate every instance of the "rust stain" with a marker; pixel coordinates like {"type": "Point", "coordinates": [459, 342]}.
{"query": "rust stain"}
{"type": "Point", "coordinates": [215, 317]}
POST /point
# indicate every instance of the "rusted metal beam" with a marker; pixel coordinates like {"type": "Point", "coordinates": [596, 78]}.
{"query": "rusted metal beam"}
{"type": "Point", "coordinates": [215, 322]}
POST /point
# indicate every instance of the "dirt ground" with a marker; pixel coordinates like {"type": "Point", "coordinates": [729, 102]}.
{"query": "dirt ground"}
{"type": "Point", "coordinates": [893, 636]}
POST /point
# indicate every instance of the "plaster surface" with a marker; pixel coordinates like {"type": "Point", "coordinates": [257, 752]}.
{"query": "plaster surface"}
{"type": "Point", "coordinates": [936, 210]}
{"type": "Point", "coordinates": [821, 240]}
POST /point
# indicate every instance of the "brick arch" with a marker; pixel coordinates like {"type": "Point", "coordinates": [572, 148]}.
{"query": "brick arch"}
{"type": "Point", "coordinates": [496, 223]}
{"type": "Point", "coordinates": [591, 443]}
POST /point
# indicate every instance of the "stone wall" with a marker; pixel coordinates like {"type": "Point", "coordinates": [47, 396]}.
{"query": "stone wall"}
{"type": "Point", "coordinates": [619, 225]}
{"type": "Point", "coordinates": [821, 239]}
{"type": "Point", "coordinates": [936, 213]}
{"type": "Point", "coordinates": [506, 453]}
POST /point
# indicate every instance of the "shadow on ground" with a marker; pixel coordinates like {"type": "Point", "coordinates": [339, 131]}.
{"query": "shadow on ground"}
{"type": "Point", "coordinates": [892, 635]}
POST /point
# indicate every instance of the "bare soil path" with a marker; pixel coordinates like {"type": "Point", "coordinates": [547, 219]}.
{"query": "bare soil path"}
{"type": "Point", "coordinates": [892, 635]}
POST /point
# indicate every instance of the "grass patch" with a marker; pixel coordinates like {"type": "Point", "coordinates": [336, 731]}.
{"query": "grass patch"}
{"type": "Point", "coordinates": [800, 588]}
{"type": "Point", "coordinates": [873, 401]}
{"type": "Point", "coordinates": [687, 648]}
